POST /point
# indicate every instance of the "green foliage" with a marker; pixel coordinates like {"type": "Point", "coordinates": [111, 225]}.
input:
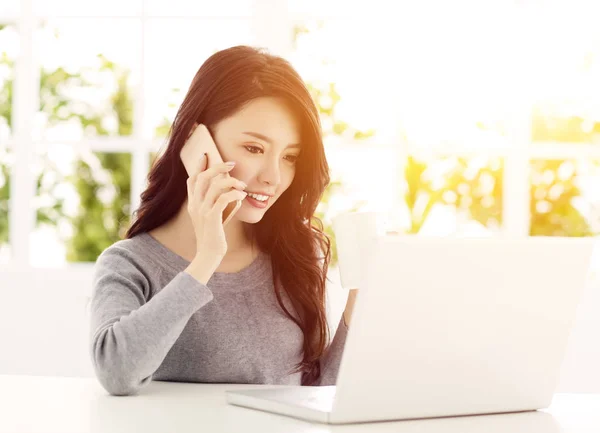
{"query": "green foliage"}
{"type": "Point", "coordinates": [6, 96]}
{"type": "Point", "coordinates": [163, 129]}
{"type": "Point", "coordinates": [480, 195]}
{"type": "Point", "coordinates": [552, 200]}
{"type": "Point", "coordinates": [476, 190]}
{"type": "Point", "coordinates": [96, 224]}
{"type": "Point", "coordinates": [4, 198]}
{"type": "Point", "coordinates": [99, 224]}
{"type": "Point", "coordinates": [547, 126]}
{"type": "Point", "coordinates": [326, 98]}
{"type": "Point", "coordinates": [328, 116]}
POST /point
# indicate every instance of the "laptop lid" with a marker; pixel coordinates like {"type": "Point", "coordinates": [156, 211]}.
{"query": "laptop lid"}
{"type": "Point", "coordinates": [458, 326]}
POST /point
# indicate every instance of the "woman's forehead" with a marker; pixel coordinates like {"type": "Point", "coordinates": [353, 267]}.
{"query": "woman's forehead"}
{"type": "Point", "coordinates": [265, 119]}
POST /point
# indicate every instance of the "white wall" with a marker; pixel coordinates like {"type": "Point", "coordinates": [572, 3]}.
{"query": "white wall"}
{"type": "Point", "coordinates": [43, 322]}
{"type": "Point", "coordinates": [44, 327]}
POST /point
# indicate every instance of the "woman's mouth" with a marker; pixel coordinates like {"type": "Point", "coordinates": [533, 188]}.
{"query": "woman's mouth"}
{"type": "Point", "coordinates": [257, 203]}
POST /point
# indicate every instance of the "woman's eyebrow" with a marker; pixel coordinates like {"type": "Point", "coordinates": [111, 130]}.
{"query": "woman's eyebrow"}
{"type": "Point", "coordinates": [267, 139]}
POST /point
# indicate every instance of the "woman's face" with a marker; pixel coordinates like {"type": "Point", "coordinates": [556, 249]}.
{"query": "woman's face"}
{"type": "Point", "coordinates": [263, 138]}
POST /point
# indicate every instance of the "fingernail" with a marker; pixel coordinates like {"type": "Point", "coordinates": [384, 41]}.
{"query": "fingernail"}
{"type": "Point", "coordinates": [231, 163]}
{"type": "Point", "coordinates": [203, 156]}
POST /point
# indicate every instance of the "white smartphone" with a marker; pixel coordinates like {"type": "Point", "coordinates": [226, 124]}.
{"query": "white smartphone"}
{"type": "Point", "coordinates": [198, 143]}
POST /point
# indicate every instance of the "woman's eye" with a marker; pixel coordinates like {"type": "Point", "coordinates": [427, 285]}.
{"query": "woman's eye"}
{"type": "Point", "coordinates": [251, 149]}
{"type": "Point", "coordinates": [255, 150]}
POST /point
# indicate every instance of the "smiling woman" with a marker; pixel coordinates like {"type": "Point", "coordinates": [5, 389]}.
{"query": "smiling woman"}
{"type": "Point", "coordinates": [184, 298]}
{"type": "Point", "coordinates": [266, 160]}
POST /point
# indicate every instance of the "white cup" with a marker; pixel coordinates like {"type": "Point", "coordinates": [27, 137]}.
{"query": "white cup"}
{"type": "Point", "coordinates": [355, 233]}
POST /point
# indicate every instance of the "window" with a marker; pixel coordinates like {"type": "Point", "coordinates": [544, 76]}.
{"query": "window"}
{"type": "Point", "coordinates": [90, 134]}
{"type": "Point", "coordinates": [404, 99]}
{"type": "Point", "coordinates": [174, 49]}
{"type": "Point", "coordinates": [444, 133]}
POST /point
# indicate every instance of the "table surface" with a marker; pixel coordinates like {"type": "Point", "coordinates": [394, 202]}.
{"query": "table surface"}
{"type": "Point", "coordinates": [35, 404]}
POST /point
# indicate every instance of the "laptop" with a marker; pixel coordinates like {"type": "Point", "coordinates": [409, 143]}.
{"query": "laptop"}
{"type": "Point", "coordinates": [445, 327]}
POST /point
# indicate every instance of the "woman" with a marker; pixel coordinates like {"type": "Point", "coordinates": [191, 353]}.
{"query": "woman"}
{"type": "Point", "coordinates": [184, 298]}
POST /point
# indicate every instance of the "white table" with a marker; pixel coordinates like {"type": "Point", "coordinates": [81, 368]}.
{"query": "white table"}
{"type": "Point", "coordinates": [57, 404]}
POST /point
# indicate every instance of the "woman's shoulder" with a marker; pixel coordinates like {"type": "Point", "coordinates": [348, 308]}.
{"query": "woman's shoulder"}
{"type": "Point", "coordinates": [126, 248]}
{"type": "Point", "coordinates": [128, 254]}
{"type": "Point", "coordinates": [125, 264]}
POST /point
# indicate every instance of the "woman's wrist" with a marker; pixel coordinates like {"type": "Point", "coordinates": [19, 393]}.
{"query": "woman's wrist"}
{"type": "Point", "coordinates": [203, 266]}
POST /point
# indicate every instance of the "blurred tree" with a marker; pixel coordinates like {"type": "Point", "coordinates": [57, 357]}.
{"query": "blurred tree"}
{"type": "Point", "coordinates": [4, 197]}
{"type": "Point", "coordinates": [553, 190]}
{"type": "Point", "coordinates": [6, 92]}
{"type": "Point", "coordinates": [552, 208]}
{"type": "Point", "coordinates": [471, 189]}
{"type": "Point", "coordinates": [328, 115]}
{"type": "Point", "coordinates": [547, 125]}
{"type": "Point", "coordinates": [96, 225]}
{"type": "Point", "coordinates": [163, 129]}
{"type": "Point", "coordinates": [326, 98]}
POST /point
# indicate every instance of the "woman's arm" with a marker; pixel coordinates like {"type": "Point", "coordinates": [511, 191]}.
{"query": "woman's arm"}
{"type": "Point", "coordinates": [131, 335]}
{"type": "Point", "coordinates": [350, 306]}
{"type": "Point", "coordinates": [331, 359]}
{"type": "Point", "coordinates": [330, 362]}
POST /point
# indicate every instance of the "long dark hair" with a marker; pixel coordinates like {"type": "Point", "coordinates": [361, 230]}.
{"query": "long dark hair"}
{"type": "Point", "coordinates": [289, 231]}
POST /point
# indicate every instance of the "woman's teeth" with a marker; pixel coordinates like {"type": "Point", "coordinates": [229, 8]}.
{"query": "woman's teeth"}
{"type": "Point", "coordinates": [258, 197]}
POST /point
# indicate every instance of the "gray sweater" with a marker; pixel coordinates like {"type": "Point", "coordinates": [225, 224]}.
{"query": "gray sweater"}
{"type": "Point", "coordinates": [152, 321]}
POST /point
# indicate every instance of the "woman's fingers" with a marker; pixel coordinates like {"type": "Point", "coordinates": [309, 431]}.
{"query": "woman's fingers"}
{"type": "Point", "coordinates": [204, 178]}
{"type": "Point", "coordinates": [220, 185]}
{"type": "Point", "coordinates": [224, 200]}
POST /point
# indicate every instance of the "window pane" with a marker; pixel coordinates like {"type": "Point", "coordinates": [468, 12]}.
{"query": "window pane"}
{"type": "Point", "coordinates": [185, 8]}
{"type": "Point", "coordinates": [9, 47]}
{"type": "Point", "coordinates": [9, 8]}
{"type": "Point", "coordinates": [453, 195]}
{"type": "Point", "coordinates": [338, 8]}
{"type": "Point", "coordinates": [87, 7]}
{"type": "Point", "coordinates": [87, 77]}
{"type": "Point", "coordinates": [567, 88]}
{"type": "Point", "coordinates": [450, 93]}
{"type": "Point", "coordinates": [82, 204]}
{"type": "Point", "coordinates": [5, 170]}
{"type": "Point", "coordinates": [565, 198]}
{"type": "Point", "coordinates": [364, 178]}
{"type": "Point", "coordinates": [326, 53]}
{"type": "Point", "coordinates": [169, 69]}
{"type": "Point", "coordinates": [152, 159]}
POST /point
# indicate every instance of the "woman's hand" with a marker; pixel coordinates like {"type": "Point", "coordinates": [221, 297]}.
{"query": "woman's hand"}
{"type": "Point", "coordinates": [209, 193]}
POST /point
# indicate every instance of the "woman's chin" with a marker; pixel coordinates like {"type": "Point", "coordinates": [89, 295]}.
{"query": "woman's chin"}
{"type": "Point", "coordinates": [250, 216]}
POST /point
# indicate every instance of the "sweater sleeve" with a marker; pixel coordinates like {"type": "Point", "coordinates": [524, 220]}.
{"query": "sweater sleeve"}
{"type": "Point", "coordinates": [330, 362]}
{"type": "Point", "coordinates": [131, 332]}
